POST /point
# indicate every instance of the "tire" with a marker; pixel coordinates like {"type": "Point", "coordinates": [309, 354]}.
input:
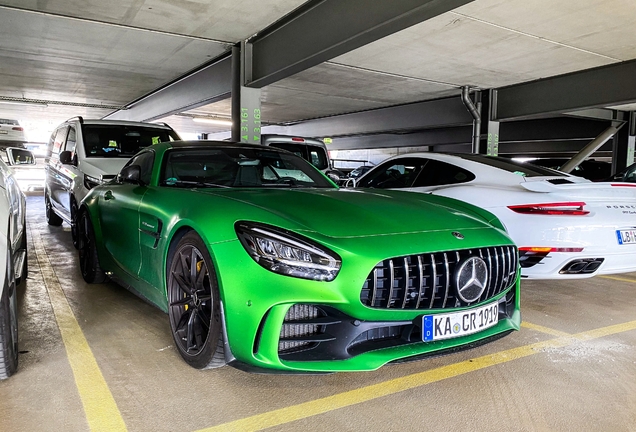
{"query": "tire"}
{"type": "Point", "coordinates": [89, 261]}
{"type": "Point", "coordinates": [194, 303]}
{"type": "Point", "coordinates": [74, 222]}
{"type": "Point", "coordinates": [51, 217]}
{"type": "Point", "coordinates": [8, 332]}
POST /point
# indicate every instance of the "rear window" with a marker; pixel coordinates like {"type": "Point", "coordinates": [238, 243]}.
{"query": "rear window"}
{"type": "Point", "coordinates": [524, 169]}
{"type": "Point", "coordinates": [120, 140]}
{"type": "Point", "coordinates": [9, 122]}
{"type": "Point", "coordinates": [317, 156]}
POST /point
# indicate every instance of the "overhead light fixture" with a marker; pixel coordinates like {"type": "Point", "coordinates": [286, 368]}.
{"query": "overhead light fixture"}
{"type": "Point", "coordinates": [213, 121]}
{"type": "Point", "coordinates": [24, 102]}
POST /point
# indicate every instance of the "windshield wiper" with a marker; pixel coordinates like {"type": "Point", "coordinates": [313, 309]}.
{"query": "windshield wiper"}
{"type": "Point", "coordinates": [191, 183]}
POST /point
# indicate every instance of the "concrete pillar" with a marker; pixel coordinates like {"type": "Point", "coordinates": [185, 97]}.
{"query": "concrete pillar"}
{"type": "Point", "coordinates": [246, 101]}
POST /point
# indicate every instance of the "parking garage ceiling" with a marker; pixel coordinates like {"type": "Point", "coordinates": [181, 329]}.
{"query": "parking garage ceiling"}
{"type": "Point", "coordinates": [91, 57]}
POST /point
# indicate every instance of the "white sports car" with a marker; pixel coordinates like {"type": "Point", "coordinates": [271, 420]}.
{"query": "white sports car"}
{"type": "Point", "coordinates": [12, 268]}
{"type": "Point", "coordinates": [564, 226]}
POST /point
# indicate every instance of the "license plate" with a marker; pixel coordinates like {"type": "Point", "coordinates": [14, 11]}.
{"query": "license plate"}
{"type": "Point", "coordinates": [626, 236]}
{"type": "Point", "coordinates": [456, 324]}
{"type": "Point", "coordinates": [4, 132]}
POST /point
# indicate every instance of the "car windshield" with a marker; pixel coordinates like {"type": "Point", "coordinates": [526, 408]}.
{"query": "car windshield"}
{"type": "Point", "coordinates": [238, 167]}
{"type": "Point", "coordinates": [120, 140]}
{"type": "Point", "coordinates": [524, 169]}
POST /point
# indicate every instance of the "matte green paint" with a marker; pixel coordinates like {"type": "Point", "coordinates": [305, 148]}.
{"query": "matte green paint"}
{"type": "Point", "coordinates": [134, 230]}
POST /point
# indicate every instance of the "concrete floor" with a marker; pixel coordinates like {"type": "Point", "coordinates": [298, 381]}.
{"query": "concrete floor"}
{"type": "Point", "coordinates": [571, 367]}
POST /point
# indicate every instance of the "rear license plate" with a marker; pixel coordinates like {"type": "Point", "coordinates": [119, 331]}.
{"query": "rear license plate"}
{"type": "Point", "coordinates": [626, 236]}
{"type": "Point", "coordinates": [456, 324]}
{"type": "Point", "coordinates": [4, 132]}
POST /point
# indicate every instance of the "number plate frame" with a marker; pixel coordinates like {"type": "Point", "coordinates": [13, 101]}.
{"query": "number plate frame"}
{"type": "Point", "coordinates": [456, 324]}
{"type": "Point", "coordinates": [626, 236]}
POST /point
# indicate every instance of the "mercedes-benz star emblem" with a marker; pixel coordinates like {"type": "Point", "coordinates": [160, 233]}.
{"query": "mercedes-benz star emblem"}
{"type": "Point", "coordinates": [458, 235]}
{"type": "Point", "coordinates": [471, 278]}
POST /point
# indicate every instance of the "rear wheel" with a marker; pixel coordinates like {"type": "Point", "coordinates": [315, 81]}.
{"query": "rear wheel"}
{"type": "Point", "coordinates": [51, 217]}
{"type": "Point", "coordinates": [8, 331]}
{"type": "Point", "coordinates": [89, 261]}
{"type": "Point", "coordinates": [194, 304]}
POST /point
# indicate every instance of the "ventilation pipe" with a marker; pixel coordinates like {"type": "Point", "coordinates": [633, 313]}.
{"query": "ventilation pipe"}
{"type": "Point", "coordinates": [594, 145]}
{"type": "Point", "coordinates": [475, 111]}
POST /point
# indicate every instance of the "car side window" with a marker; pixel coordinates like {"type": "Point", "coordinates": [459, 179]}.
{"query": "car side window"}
{"type": "Point", "coordinates": [58, 141]}
{"type": "Point", "coordinates": [438, 173]}
{"type": "Point", "coordinates": [145, 161]}
{"type": "Point", "coordinates": [71, 140]}
{"type": "Point", "coordinates": [394, 174]}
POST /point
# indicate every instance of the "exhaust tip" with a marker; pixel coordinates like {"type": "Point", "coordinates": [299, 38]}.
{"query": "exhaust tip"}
{"type": "Point", "coordinates": [582, 266]}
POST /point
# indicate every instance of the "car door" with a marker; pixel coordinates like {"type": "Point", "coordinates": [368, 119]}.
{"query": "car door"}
{"type": "Point", "coordinates": [119, 215]}
{"type": "Point", "coordinates": [58, 178]}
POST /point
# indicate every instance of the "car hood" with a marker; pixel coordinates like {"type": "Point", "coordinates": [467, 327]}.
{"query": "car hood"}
{"type": "Point", "coordinates": [96, 167]}
{"type": "Point", "coordinates": [354, 213]}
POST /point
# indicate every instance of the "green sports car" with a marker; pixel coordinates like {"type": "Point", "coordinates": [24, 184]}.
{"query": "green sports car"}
{"type": "Point", "coordinates": [262, 262]}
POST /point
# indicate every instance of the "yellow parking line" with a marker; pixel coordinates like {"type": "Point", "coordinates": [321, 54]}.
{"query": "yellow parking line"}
{"type": "Point", "coordinates": [101, 410]}
{"type": "Point", "coordinates": [542, 329]}
{"type": "Point", "coordinates": [619, 279]}
{"type": "Point", "coordinates": [353, 397]}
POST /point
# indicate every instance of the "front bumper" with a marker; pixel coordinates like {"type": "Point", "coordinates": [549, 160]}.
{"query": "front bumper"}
{"type": "Point", "coordinates": [345, 335]}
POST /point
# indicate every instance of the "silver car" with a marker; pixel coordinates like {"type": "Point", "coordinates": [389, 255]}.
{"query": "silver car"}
{"type": "Point", "coordinates": [13, 268]}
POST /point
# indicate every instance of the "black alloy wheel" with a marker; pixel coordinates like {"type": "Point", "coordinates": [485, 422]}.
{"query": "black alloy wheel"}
{"type": "Point", "coordinates": [51, 217]}
{"type": "Point", "coordinates": [87, 248]}
{"type": "Point", "coordinates": [193, 303]}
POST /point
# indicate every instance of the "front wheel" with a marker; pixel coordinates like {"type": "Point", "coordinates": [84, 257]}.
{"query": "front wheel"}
{"type": "Point", "coordinates": [51, 217]}
{"type": "Point", "coordinates": [194, 303]}
{"type": "Point", "coordinates": [87, 247]}
{"type": "Point", "coordinates": [8, 332]}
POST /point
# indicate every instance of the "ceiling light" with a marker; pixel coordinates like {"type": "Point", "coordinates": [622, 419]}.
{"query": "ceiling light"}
{"type": "Point", "coordinates": [19, 102]}
{"type": "Point", "coordinates": [213, 121]}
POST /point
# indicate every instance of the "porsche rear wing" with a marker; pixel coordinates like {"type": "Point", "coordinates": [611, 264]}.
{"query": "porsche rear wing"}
{"type": "Point", "coordinates": [595, 191]}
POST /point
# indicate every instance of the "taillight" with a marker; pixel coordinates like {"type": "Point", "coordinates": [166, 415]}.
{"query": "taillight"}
{"type": "Point", "coordinates": [548, 249]}
{"type": "Point", "coordinates": [298, 140]}
{"type": "Point", "coordinates": [558, 209]}
{"type": "Point", "coordinates": [18, 128]}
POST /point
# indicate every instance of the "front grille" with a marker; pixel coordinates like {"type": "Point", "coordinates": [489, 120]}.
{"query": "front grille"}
{"type": "Point", "coordinates": [427, 281]}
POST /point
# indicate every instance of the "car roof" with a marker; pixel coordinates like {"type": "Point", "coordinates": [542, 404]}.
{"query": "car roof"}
{"type": "Point", "coordinates": [119, 123]}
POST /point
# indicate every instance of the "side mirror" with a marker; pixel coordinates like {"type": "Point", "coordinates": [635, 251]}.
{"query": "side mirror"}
{"type": "Point", "coordinates": [20, 156]}
{"type": "Point", "coordinates": [130, 174]}
{"type": "Point", "coordinates": [66, 158]}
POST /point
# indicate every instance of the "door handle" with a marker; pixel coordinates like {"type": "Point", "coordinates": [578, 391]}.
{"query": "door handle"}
{"type": "Point", "coordinates": [108, 196]}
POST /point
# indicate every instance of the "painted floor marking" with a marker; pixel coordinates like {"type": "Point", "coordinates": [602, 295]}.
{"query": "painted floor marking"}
{"type": "Point", "coordinates": [546, 330]}
{"type": "Point", "coordinates": [618, 278]}
{"type": "Point", "coordinates": [100, 408]}
{"type": "Point", "coordinates": [353, 397]}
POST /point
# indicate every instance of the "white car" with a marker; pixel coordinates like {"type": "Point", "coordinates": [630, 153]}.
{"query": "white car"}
{"type": "Point", "coordinates": [11, 132]}
{"type": "Point", "coordinates": [565, 226]}
{"type": "Point", "coordinates": [83, 153]}
{"type": "Point", "coordinates": [13, 268]}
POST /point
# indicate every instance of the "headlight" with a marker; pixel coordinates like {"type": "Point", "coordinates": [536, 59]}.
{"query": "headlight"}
{"type": "Point", "coordinates": [288, 254]}
{"type": "Point", "coordinates": [90, 182]}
